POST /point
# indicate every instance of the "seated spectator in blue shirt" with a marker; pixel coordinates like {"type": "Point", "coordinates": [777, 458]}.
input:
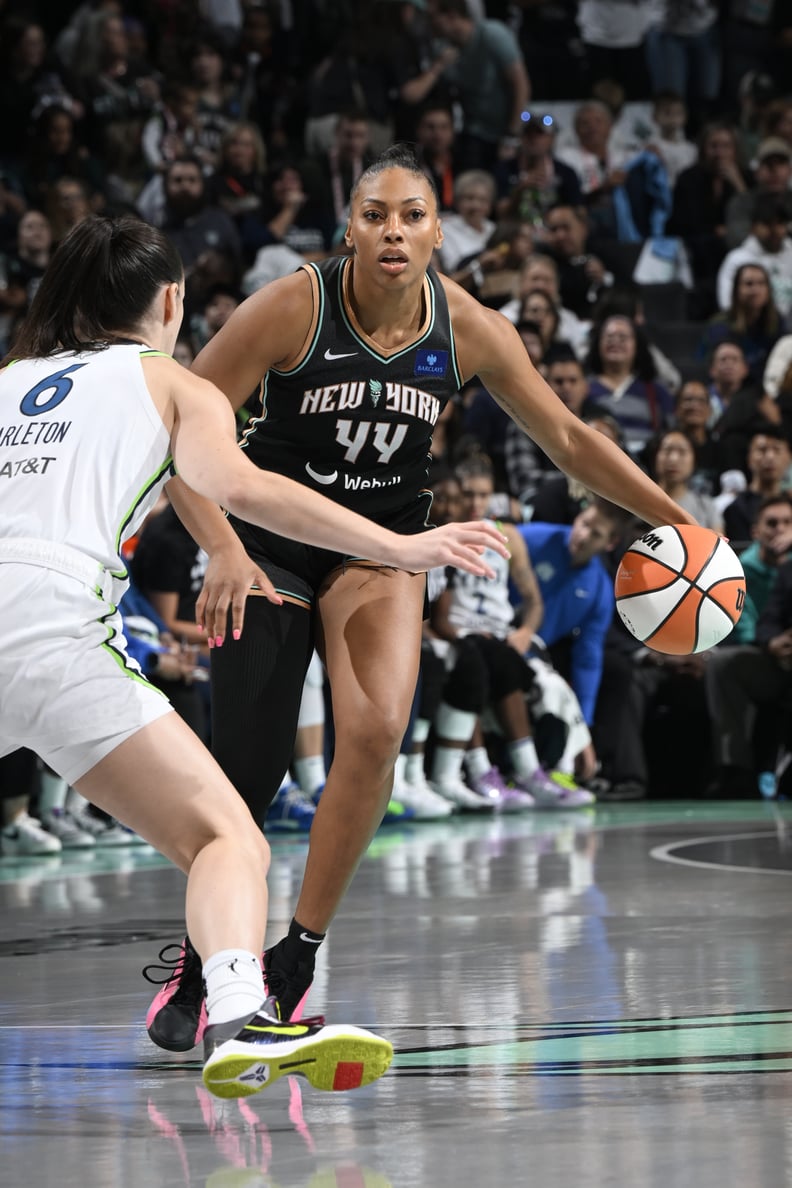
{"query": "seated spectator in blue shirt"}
{"type": "Point", "coordinates": [577, 592]}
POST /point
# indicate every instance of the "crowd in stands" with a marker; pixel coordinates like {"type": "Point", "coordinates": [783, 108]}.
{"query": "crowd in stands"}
{"type": "Point", "coordinates": [615, 179]}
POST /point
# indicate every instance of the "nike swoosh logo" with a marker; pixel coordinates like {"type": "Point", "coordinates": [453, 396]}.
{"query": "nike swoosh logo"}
{"type": "Point", "coordinates": [311, 940]}
{"type": "Point", "coordinates": [330, 356]}
{"type": "Point", "coordinates": [324, 479]}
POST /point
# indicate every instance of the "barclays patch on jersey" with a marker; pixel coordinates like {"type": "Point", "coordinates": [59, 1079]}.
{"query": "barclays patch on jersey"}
{"type": "Point", "coordinates": [431, 362]}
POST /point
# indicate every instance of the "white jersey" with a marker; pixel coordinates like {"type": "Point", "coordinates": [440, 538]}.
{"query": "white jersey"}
{"type": "Point", "coordinates": [481, 605]}
{"type": "Point", "coordinates": [83, 451]}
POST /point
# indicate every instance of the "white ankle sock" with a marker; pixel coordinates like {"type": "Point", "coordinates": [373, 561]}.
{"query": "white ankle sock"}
{"type": "Point", "coordinates": [524, 757]}
{"type": "Point", "coordinates": [310, 773]}
{"type": "Point", "coordinates": [477, 762]}
{"type": "Point", "coordinates": [52, 792]}
{"type": "Point", "coordinates": [234, 985]}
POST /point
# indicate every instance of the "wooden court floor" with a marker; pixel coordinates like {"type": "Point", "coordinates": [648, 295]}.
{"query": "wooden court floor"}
{"type": "Point", "coordinates": [590, 998]}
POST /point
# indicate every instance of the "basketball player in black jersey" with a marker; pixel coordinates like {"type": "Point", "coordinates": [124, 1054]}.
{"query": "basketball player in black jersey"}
{"type": "Point", "coordinates": [355, 358]}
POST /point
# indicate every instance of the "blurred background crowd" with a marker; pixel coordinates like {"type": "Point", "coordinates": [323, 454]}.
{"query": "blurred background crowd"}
{"type": "Point", "coordinates": [614, 176]}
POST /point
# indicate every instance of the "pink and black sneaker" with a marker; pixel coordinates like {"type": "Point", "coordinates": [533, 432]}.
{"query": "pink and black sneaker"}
{"type": "Point", "coordinates": [176, 1019]}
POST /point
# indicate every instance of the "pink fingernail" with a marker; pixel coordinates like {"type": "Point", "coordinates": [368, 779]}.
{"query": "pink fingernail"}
{"type": "Point", "coordinates": [210, 642]}
{"type": "Point", "coordinates": [219, 641]}
{"type": "Point", "coordinates": [237, 633]}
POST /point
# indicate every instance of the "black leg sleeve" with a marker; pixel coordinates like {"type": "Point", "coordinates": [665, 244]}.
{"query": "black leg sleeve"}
{"type": "Point", "coordinates": [257, 684]}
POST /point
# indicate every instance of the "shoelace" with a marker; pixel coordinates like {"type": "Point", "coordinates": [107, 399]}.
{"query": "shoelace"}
{"type": "Point", "coordinates": [190, 990]}
{"type": "Point", "coordinates": [171, 967]}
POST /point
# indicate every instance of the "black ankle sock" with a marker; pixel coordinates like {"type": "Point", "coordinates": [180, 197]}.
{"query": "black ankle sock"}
{"type": "Point", "coordinates": [301, 944]}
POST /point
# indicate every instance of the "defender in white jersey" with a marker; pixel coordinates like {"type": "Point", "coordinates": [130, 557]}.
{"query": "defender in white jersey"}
{"type": "Point", "coordinates": [96, 416]}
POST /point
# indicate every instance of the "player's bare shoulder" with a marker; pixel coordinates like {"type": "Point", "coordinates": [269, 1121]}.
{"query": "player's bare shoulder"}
{"type": "Point", "coordinates": [269, 329]}
{"type": "Point", "coordinates": [483, 336]}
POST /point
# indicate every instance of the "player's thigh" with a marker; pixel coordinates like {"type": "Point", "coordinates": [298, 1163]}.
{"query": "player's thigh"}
{"type": "Point", "coordinates": [163, 783]}
{"type": "Point", "coordinates": [370, 638]}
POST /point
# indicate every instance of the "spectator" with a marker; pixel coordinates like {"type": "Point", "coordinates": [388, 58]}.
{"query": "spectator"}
{"type": "Point", "coordinates": [744, 685]}
{"type": "Point", "coordinates": [684, 54]}
{"type": "Point", "coordinates": [769, 457]}
{"type": "Point", "coordinates": [468, 227]}
{"type": "Point", "coordinates": [596, 157]}
{"type": "Point", "coordinates": [768, 245]}
{"type": "Point", "coordinates": [532, 179]}
{"type": "Point", "coordinates": [537, 307]}
{"type": "Point", "coordinates": [415, 65]}
{"type": "Point", "coordinates": [195, 226]}
{"type": "Point", "coordinates": [120, 91]}
{"type": "Point", "coordinates": [22, 269]}
{"type": "Point", "coordinates": [777, 119]}
{"type": "Point", "coordinates": [627, 300]}
{"type": "Point", "coordinates": [238, 184]}
{"type": "Point", "coordinates": [771, 542]}
{"type": "Point", "coordinates": [219, 96]}
{"type": "Point", "coordinates": [554, 56]}
{"type": "Point", "coordinates": [171, 131]}
{"type": "Point", "coordinates": [30, 80]}
{"type": "Point", "coordinates": [625, 190]}
{"type": "Point", "coordinates": [490, 78]}
{"type": "Point", "coordinates": [773, 176]}
{"type": "Point", "coordinates": [472, 617]}
{"type": "Point", "coordinates": [528, 467]}
{"type": "Point", "coordinates": [577, 593]}
{"type": "Point", "coordinates": [271, 96]}
{"type": "Point", "coordinates": [613, 37]}
{"type": "Point", "coordinates": [221, 301]}
{"type": "Point", "coordinates": [560, 499]}
{"type": "Point", "coordinates": [668, 139]}
{"type": "Point", "coordinates": [582, 275]}
{"type": "Point", "coordinates": [540, 271]}
{"type": "Point", "coordinates": [692, 415]}
{"type": "Point", "coordinates": [290, 216]}
{"type": "Point", "coordinates": [54, 151]}
{"type": "Point", "coordinates": [330, 174]}
{"type": "Point", "coordinates": [356, 75]}
{"type": "Point", "coordinates": [775, 376]}
{"type": "Point", "coordinates": [622, 382]}
{"type": "Point", "coordinates": [751, 320]}
{"type": "Point", "coordinates": [436, 149]}
{"type": "Point", "coordinates": [493, 274]}
{"type": "Point", "coordinates": [671, 461]}
{"type": "Point", "coordinates": [70, 201]}
{"type": "Point", "coordinates": [698, 213]}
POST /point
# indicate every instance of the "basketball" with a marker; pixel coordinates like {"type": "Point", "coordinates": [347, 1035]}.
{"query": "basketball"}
{"type": "Point", "coordinates": [680, 589]}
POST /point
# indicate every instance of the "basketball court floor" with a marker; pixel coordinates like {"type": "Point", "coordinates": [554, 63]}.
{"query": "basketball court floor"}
{"type": "Point", "coordinates": [597, 998]}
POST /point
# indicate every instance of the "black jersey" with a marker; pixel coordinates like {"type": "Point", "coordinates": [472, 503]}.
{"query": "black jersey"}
{"type": "Point", "coordinates": [351, 422]}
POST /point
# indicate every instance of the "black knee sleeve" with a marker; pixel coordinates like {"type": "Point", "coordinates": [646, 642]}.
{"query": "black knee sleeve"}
{"type": "Point", "coordinates": [506, 669]}
{"type": "Point", "coordinates": [257, 685]}
{"type": "Point", "coordinates": [432, 683]}
{"type": "Point", "coordinates": [467, 684]}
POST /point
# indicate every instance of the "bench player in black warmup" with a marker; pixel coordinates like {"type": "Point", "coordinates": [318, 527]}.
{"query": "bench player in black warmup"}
{"type": "Point", "coordinates": [355, 358]}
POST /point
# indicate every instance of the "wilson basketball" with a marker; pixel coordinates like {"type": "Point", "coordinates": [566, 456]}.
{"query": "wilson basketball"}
{"type": "Point", "coordinates": [680, 589]}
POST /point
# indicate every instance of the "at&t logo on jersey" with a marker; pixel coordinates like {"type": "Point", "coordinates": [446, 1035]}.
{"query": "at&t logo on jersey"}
{"type": "Point", "coordinates": [431, 362]}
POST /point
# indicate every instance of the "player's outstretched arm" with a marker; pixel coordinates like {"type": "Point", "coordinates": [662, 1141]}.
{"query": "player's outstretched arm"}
{"type": "Point", "coordinates": [491, 348]}
{"type": "Point", "coordinates": [208, 460]}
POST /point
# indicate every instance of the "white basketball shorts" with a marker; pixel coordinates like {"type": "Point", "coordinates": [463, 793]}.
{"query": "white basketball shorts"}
{"type": "Point", "coordinates": [68, 690]}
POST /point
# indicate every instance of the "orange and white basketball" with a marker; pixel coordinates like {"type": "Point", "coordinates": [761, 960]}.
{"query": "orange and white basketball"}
{"type": "Point", "coordinates": [680, 589]}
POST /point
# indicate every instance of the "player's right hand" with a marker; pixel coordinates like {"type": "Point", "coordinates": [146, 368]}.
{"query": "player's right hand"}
{"type": "Point", "coordinates": [460, 545]}
{"type": "Point", "coordinates": [230, 574]}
